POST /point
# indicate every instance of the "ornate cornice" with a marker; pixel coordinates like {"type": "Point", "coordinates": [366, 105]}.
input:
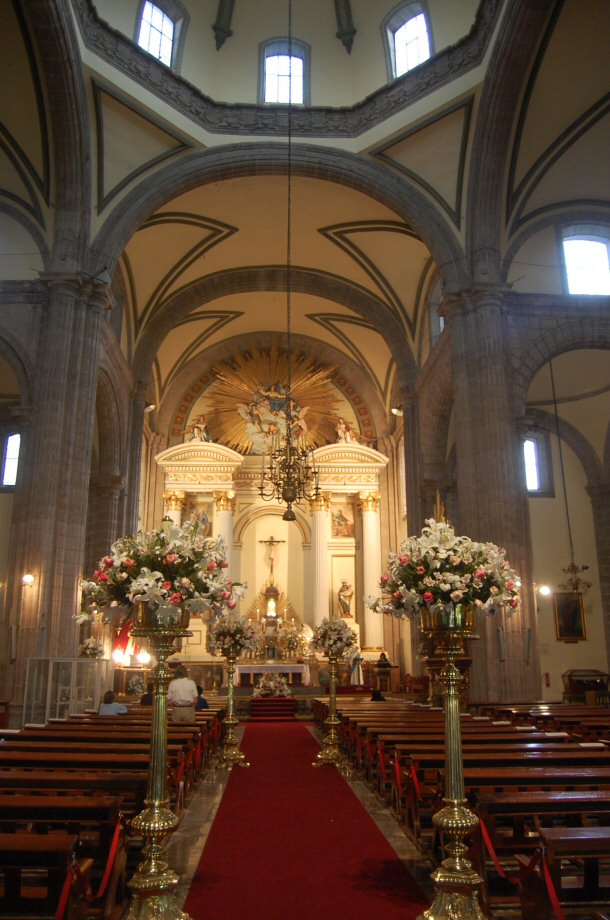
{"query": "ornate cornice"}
{"type": "Point", "coordinates": [223, 118]}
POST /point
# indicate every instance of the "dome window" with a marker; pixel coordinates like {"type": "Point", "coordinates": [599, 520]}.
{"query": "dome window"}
{"type": "Point", "coordinates": [407, 38]}
{"type": "Point", "coordinates": [280, 69]}
{"type": "Point", "coordinates": [586, 260]}
{"type": "Point", "coordinates": [160, 30]}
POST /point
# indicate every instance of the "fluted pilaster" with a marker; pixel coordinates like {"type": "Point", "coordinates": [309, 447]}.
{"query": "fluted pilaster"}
{"type": "Point", "coordinates": [368, 507]}
{"type": "Point", "coordinates": [224, 509]}
{"type": "Point", "coordinates": [320, 509]}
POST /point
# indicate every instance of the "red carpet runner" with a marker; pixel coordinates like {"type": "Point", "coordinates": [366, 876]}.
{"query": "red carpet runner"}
{"type": "Point", "coordinates": [290, 842]}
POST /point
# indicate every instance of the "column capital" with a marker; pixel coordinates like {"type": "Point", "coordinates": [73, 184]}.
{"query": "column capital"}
{"type": "Point", "coordinates": [225, 501]}
{"type": "Point", "coordinates": [368, 501]}
{"type": "Point", "coordinates": [107, 484]}
{"type": "Point", "coordinates": [475, 298]}
{"type": "Point", "coordinates": [174, 501]}
{"type": "Point", "coordinates": [321, 503]}
{"type": "Point", "coordinates": [79, 284]}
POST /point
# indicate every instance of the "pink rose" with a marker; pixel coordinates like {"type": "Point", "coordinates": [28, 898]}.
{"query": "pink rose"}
{"type": "Point", "coordinates": [175, 598]}
{"type": "Point", "coordinates": [397, 595]}
{"type": "Point", "coordinates": [129, 563]}
{"type": "Point", "coordinates": [107, 562]}
{"type": "Point", "coordinates": [403, 560]}
{"type": "Point", "coordinates": [224, 564]}
{"type": "Point", "coordinates": [226, 595]}
{"type": "Point", "coordinates": [166, 585]}
{"type": "Point", "coordinates": [513, 602]}
{"type": "Point", "coordinates": [100, 576]}
{"type": "Point", "coordinates": [384, 579]}
{"type": "Point", "coordinates": [231, 604]}
{"type": "Point", "coordinates": [428, 597]}
{"type": "Point", "coordinates": [420, 570]}
{"type": "Point", "coordinates": [171, 557]}
{"type": "Point", "coordinates": [480, 573]}
{"type": "Point", "coordinates": [211, 566]}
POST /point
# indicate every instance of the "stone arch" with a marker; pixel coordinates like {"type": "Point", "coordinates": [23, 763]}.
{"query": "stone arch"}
{"type": "Point", "coordinates": [12, 352]}
{"type": "Point", "coordinates": [520, 31]}
{"type": "Point", "coordinates": [257, 159]}
{"type": "Point", "coordinates": [52, 27]}
{"type": "Point", "coordinates": [574, 439]}
{"type": "Point", "coordinates": [254, 512]}
{"type": "Point", "coordinates": [592, 331]}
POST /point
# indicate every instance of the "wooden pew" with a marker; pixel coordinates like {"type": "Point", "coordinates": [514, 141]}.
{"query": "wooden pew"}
{"type": "Point", "coordinates": [48, 855]}
{"type": "Point", "coordinates": [129, 787]}
{"type": "Point", "coordinates": [512, 822]}
{"type": "Point", "coordinates": [558, 845]}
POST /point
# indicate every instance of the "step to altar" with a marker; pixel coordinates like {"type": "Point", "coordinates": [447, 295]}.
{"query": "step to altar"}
{"type": "Point", "coordinates": [272, 709]}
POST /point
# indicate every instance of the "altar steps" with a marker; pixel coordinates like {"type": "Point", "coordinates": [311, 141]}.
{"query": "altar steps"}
{"type": "Point", "coordinates": [272, 709]}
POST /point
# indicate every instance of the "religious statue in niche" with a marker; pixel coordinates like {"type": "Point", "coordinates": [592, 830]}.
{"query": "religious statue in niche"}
{"type": "Point", "coordinates": [344, 598]}
{"type": "Point", "coordinates": [341, 520]}
{"type": "Point", "coordinates": [345, 432]}
{"type": "Point", "coordinates": [198, 431]}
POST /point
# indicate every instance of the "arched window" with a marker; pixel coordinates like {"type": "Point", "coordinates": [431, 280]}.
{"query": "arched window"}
{"type": "Point", "coordinates": [586, 259]}
{"type": "Point", "coordinates": [537, 464]}
{"type": "Point", "coordinates": [160, 30]}
{"type": "Point", "coordinates": [407, 38]}
{"type": "Point", "coordinates": [281, 66]}
{"type": "Point", "coordinates": [10, 460]}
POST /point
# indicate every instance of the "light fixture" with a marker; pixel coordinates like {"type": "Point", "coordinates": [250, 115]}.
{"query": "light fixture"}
{"type": "Point", "coordinates": [150, 407]}
{"type": "Point", "coordinates": [397, 410]}
{"type": "Point", "coordinates": [291, 476]}
{"type": "Point", "coordinates": [544, 590]}
{"type": "Point", "coordinates": [28, 580]}
{"type": "Point", "coordinates": [574, 582]}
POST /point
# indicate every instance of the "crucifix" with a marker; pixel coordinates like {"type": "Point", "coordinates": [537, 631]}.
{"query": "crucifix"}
{"type": "Point", "coordinates": [271, 542]}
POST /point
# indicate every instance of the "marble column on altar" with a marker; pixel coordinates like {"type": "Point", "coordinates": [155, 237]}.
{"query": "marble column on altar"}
{"type": "Point", "coordinates": [368, 507]}
{"type": "Point", "coordinates": [174, 504]}
{"type": "Point", "coordinates": [319, 547]}
{"type": "Point", "coordinates": [224, 508]}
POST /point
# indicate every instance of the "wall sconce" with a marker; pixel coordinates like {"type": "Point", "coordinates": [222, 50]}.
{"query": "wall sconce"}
{"type": "Point", "coordinates": [544, 590]}
{"type": "Point", "coordinates": [28, 580]}
{"type": "Point", "coordinates": [150, 407]}
{"type": "Point", "coordinates": [397, 410]}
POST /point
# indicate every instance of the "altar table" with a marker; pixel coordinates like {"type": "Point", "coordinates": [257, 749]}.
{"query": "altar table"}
{"type": "Point", "coordinates": [280, 668]}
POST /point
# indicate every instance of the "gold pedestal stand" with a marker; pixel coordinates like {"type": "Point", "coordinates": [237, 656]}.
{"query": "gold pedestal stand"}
{"type": "Point", "coordinates": [154, 882]}
{"type": "Point", "coordinates": [330, 755]}
{"type": "Point", "coordinates": [231, 756]}
{"type": "Point", "coordinates": [455, 880]}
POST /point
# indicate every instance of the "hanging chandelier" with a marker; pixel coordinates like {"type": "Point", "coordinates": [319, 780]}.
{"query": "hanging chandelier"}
{"type": "Point", "coordinates": [290, 476]}
{"type": "Point", "coordinates": [574, 583]}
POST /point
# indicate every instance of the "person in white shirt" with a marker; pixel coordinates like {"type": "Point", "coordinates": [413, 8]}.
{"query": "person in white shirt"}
{"type": "Point", "coordinates": [182, 696]}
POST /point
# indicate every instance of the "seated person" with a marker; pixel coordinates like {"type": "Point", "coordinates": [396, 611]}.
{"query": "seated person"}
{"type": "Point", "coordinates": [147, 698]}
{"type": "Point", "coordinates": [109, 708]}
{"type": "Point", "coordinates": [201, 702]}
{"type": "Point", "coordinates": [377, 697]}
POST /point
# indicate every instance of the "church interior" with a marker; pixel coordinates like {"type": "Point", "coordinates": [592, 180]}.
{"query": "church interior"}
{"type": "Point", "coordinates": [371, 235]}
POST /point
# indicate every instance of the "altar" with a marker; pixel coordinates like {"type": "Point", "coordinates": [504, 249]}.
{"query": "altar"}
{"type": "Point", "coordinates": [289, 668]}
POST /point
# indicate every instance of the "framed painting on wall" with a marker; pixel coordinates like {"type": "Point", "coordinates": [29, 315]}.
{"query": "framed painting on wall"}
{"type": "Point", "coordinates": [570, 616]}
{"type": "Point", "coordinates": [341, 520]}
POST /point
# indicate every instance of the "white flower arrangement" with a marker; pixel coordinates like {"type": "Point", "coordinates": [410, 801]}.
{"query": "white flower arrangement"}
{"type": "Point", "coordinates": [438, 568]}
{"type": "Point", "coordinates": [231, 636]}
{"type": "Point", "coordinates": [272, 685]}
{"type": "Point", "coordinates": [135, 685]}
{"type": "Point", "coordinates": [91, 648]}
{"type": "Point", "coordinates": [169, 568]}
{"type": "Point", "coordinates": [334, 638]}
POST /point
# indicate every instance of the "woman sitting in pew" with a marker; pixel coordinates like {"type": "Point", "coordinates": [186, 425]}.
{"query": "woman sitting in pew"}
{"type": "Point", "coordinates": [109, 708]}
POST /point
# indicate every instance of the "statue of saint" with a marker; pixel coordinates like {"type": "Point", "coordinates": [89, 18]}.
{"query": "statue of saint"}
{"type": "Point", "coordinates": [344, 596]}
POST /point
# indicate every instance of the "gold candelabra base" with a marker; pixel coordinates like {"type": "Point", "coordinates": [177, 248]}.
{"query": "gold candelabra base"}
{"type": "Point", "coordinates": [231, 756]}
{"type": "Point", "coordinates": [331, 755]}
{"type": "Point", "coordinates": [154, 883]}
{"type": "Point", "coordinates": [455, 881]}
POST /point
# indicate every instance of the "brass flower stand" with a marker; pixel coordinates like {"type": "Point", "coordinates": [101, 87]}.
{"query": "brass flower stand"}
{"type": "Point", "coordinates": [330, 755]}
{"type": "Point", "coordinates": [231, 756]}
{"type": "Point", "coordinates": [154, 882]}
{"type": "Point", "coordinates": [456, 882]}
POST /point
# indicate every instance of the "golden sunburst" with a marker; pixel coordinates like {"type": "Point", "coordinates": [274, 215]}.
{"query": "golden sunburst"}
{"type": "Point", "coordinates": [249, 399]}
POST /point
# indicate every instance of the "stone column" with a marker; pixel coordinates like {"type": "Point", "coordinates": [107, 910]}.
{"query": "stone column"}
{"type": "Point", "coordinates": [174, 504]}
{"type": "Point", "coordinates": [50, 509]}
{"type": "Point", "coordinates": [368, 507]}
{"type": "Point", "coordinates": [319, 555]}
{"type": "Point", "coordinates": [224, 509]}
{"type": "Point", "coordinates": [492, 499]}
{"type": "Point", "coordinates": [104, 495]}
{"type": "Point", "coordinates": [600, 500]}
